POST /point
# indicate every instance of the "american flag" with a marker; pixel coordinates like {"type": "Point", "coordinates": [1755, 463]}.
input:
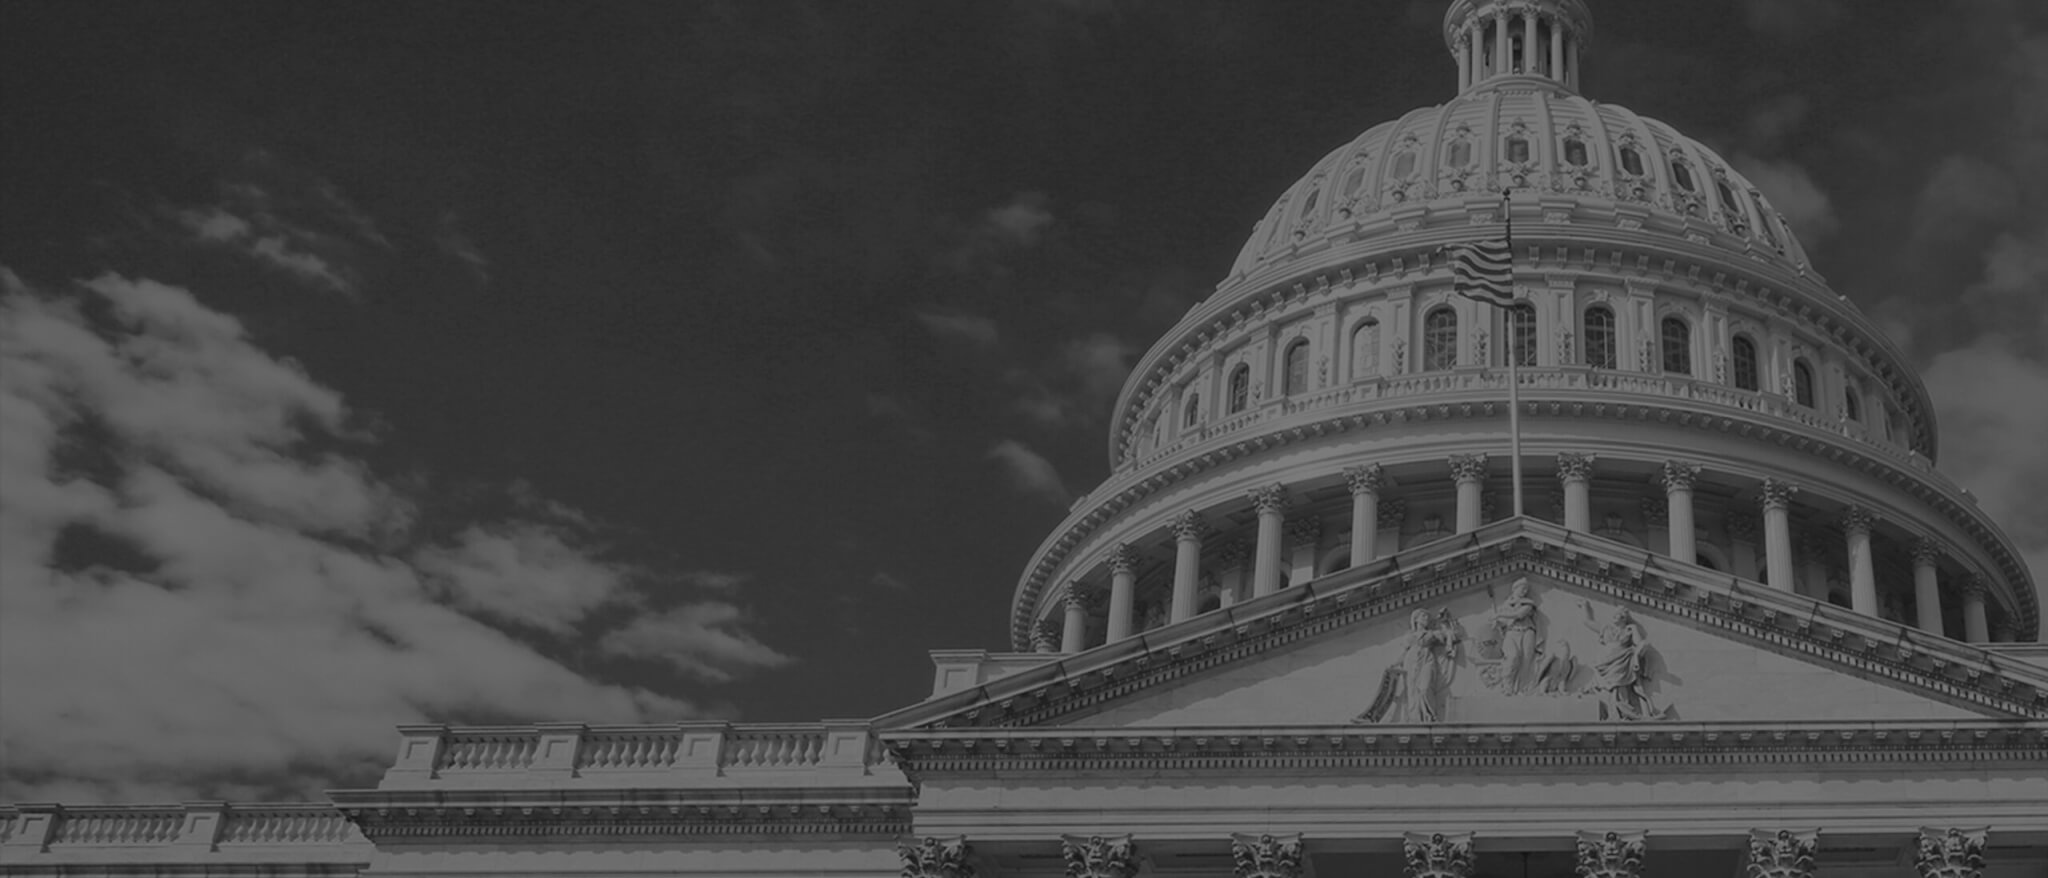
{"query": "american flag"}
{"type": "Point", "coordinates": [1484, 271]}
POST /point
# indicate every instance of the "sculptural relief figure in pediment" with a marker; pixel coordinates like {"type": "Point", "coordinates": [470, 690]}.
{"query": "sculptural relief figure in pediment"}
{"type": "Point", "coordinates": [1420, 680]}
{"type": "Point", "coordinates": [1518, 659]}
{"type": "Point", "coordinates": [1623, 668]}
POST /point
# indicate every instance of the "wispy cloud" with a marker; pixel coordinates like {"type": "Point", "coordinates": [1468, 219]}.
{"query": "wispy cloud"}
{"type": "Point", "coordinates": [241, 605]}
{"type": "Point", "coordinates": [215, 225]}
{"type": "Point", "coordinates": [976, 330]}
{"type": "Point", "coordinates": [1791, 20]}
{"type": "Point", "coordinates": [1029, 471]}
{"type": "Point", "coordinates": [1790, 189]}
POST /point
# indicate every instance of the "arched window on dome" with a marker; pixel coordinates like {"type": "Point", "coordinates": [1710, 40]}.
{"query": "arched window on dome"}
{"type": "Point", "coordinates": [1681, 174]}
{"type": "Point", "coordinates": [1631, 161]}
{"type": "Point", "coordinates": [1521, 334]}
{"type": "Point", "coordinates": [1440, 339]}
{"type": "Point", "coordinates": [1308, 204]}
{"type": "Point", "coordinates": [1600, 343]}
{"type": "Point", "coordinates": [1729, 207]}
{"type": "Point", "coordinates": [1852, 402]}
{"type": "Point", "coordinates": [1352, 181]}
{"type": "Point", "coordinates": [1459, 155]}
{"type": "Point", "coordinates": [1746, 377]}
{"type": "Point", "coordinates": [1575, 152]}
{"type": "Point", "coordinates": [1802, 383]}
{"type": "Point", "coordinates": [1404, 164]}
{"type": "Point", "coordinates": [1365, 350]}
{"type": "Point", "coordinates": [1518, 149]}
{"type": "Point", "coordinates": [1296, 359]}
{"type": "Point", "coordinates": [1191, 411]}
{"type": "Point", "coordinates": [1763, 220]}
{"type": "Point", "coordinates": [1675, 337]}
{"type": "Point", "coordinates": [1240, 387]}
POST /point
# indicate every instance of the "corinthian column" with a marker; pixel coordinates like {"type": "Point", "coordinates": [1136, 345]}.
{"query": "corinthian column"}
{"type": "Point", "coordinates": [1437, 855]}
{"type": "Point", "coordinates": [1365, 512]}
{"type": "Point", "coordinates": [1678, 482]}
{"type": "Point", "coordinates": [1976, 627]}
{"type": "Point", "coordinates": [1123, 582]}
{"type": "Point", "coordinates": [1782, 854]}
{"type": "Point", "coordinates": [1557, 50]}
{"type": "Point", "coordinates": [1187, 563]}
{"type": "Point", "coordinates": [1500, 43]}
{"type": "Point", "coordinates": [1862, 575]}
{"type": "Point", "coordinates": [1575, 470]}
{"type": "Point", "coordinates": [1951, 853]}
{"type": "Point", "coordinates": [1610, 855]}
{"type": "Point", "coordinates": [1075, 634]}
{"type": "Point", "coordinates": [1271, 502]}
{"type": "Point", "coordinates": [1266, 856]}
{"type": "Point", "coordinates": [1470, 472]}
{"type": "Point", "coordinates": [1097, 856]}
{"type": "Point", "coordinates": [936, 857]}
{"type": "Point", "coordinates": [1927, 585]}
{"type": "Point", "coordinates": [1777, 503]}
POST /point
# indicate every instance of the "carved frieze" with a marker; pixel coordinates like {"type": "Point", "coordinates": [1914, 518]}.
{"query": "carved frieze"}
{"type": "Point", "coordinates": [1610, 855]}
{"type": "Point", "coordinates": [1266, 856]}
{"type": "Point", "coordinates": [1781, 854]}
{"type": "Point", "coordinates": [1951, 853]}
{"type": "Point", "coordinates": [1437, 855]}
{"type": "Point", "coordinates": [1098, 856]}
{"type": "Point", "coordinates": [934, 857]}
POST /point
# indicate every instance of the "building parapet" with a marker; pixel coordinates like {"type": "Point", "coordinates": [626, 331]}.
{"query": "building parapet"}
{"type": "Point", "coordinates": [308, 835]}
{"type": "Point", "coordinates": [708, 754]}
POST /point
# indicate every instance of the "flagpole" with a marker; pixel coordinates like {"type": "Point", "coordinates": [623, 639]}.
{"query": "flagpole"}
{"type": "Point", "coordinates": [1514, 376]}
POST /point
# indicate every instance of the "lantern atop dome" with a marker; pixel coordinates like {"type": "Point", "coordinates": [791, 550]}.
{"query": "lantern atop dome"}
{"type": "Point", "coordinates": [1497, 40]}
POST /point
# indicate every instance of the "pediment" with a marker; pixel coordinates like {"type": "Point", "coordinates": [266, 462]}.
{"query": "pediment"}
{"type": "Point", "coordinates": [1438, 635]}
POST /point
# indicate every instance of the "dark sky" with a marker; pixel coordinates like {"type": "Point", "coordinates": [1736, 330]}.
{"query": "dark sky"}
{"type": "Point", "coordinates": [517, 361]}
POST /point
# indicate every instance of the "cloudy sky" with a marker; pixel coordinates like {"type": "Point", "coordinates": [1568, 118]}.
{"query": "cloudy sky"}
{"type": "Point", "coordinates": [375, 363]}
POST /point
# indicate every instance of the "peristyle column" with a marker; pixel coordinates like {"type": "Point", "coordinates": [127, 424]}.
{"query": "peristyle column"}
{"type": "Point", "coordinates": [1271, 503]}
{"type": "Point", "coordinates": [1862, 575]}
{"type": "Point", "coordinates": [1187, 563]}
{"type": "Point", "coordinates": [1678, 482]}
{"type": "Point", "coordinates": [1557, 51]}
{"type": "Point", "coordinates": [1575, 470]}
{"type": "Point", "coordinates": [1123, 581]}
{"type": "Point", "coordinates": [1927, 585]}
{"type": "Point", "coordinates": [1470, 472]}
{"type": "Point", "coordinates": [1528, 50]}
{"type": "Point", "coordinates": [1500, 43]}
{"type": "Point", "coordinates": [1075, 634]}
{"type": "Point", "coordinates": [1976, 625]}
{"type": "Point", "coordinates": [1364, 482]}
{"type": "Point", "coordinates": [1777, 502]}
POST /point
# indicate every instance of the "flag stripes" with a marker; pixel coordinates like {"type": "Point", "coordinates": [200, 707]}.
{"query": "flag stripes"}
{"type": "Point", "coordinates": [1483, 271]}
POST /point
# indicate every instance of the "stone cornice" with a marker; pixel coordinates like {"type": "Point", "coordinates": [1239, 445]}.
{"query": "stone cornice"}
{"type": "Point", "coordinates": [1939, 668]}
{"type": "Point", "coordinates": [925, 753]}
{"type": "Point", "coordinates": [387, 817]}
{"type": "Point", "coordinates": [1913, 474]}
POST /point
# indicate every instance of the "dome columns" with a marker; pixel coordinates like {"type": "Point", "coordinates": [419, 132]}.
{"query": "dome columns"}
{"type": "Point", "coordinates": [1976, 625]}
{"type": "Point", "coordinates": [1927, 585]}
{"type": "Point", "coordinates": [1575, 472]}
{"type": "Point", "coordinates": [1469, 470]}
{"type": "Point", "coordinates": [1528, 38]}
{"type": "Point", "coordinates": [1188, 530]}
{"type": "Point", "coordinates": [1678, 480]}
{"type": "Point", "coordinates": [1776, 497]}
{"type": "Point", "coordinates": [1365, 483]}
{"type": "Point", "coordinates": [1856, 525]}
{"type": "Point", "coordinates": [1123, 585]}
{"type": "Point", "coordinates": [1271, 503]}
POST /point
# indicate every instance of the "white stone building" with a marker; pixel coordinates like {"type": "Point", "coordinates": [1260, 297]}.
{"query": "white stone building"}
{"type": "Point", "coordinates": [1741, 625]}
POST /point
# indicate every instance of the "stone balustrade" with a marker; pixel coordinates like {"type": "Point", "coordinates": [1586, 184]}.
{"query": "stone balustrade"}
{"type": "Point", "coordinates": [707, 753]}
{"type": "Point", "coordinates": [204, 827]}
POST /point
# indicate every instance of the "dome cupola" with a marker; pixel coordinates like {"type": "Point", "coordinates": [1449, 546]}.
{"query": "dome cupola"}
{"type": "Point", "coordinates": [1494, 41]}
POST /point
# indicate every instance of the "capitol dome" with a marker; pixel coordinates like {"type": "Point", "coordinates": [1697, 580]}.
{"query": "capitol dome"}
{"type": "Point", "coordinates": [1688, 385]}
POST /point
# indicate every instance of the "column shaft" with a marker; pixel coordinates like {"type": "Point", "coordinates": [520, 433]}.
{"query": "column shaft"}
{"type": "Point", "coordinates": [1777, 500]}
{"type": "Point", "coordinates": [1976, 625]}
{"type": "Point", "coordinates": [1556, 51]}
{"type": "Point", "coordinates": [1271, 503]}
{"type": "Point", "coordinates": [1862, 574]}
{"type": "Point", "coordinates": [1187, 565]}
{"type": "Point", "coordinates": [1123, 582]}
{"type": "Point", "coordinates": [1500, 44]}
{"type": "Point", "coordinates": [1364, 482]}
{"type": "Point", "coordinates": [1469, 470]}
{"type": "Point", "coordinates": [1528, 60]}
{"type": "Point", "coordinates": [1678, 482]}
{"type": "Point", "coordinates": [1575, 470]}
{"type": "Point", "coordinates": [1073, 638]}
{"type": "Point", "coordinates": [1927, 586]}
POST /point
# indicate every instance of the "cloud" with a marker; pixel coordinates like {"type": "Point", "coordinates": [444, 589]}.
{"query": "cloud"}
{"type": "Point", "coordinates": [454, 241]}
{"type": "Point", "coordinates": [1790, 189]}
{"type": "Point", "coordinates": [979, 331]}
{"type": "Point", "coordinates": [1791, 20]}
{"type": "Point", "coordinates": [981, 245]}
{"type": "Point", "coordinates": [884, 579]}
{"type": "Point", "coordinates": [1079, 382]}
{"type": "Point", "coordinates": [1030, 472]}
{"type": "Point", "coordinates": [1022, 220]}
{"type": "Point", "coordinates": [1963, 196]}
{"type": "Point", "coordinates": [1988, 400]}
{"type": "Point", "coordinates": [214, 225]}
{"type": "Point", "coordinates": [715, 580]}
{"type": "Point", "coordinates": [205, 591]}
{"type": "Point", "coordinates": [1772, 121]}
{"type": "Point", "coordinates": [703, 640]}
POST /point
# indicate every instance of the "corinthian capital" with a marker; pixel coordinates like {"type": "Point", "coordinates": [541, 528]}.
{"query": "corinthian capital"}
{"type": "Point", "coordinates": [936, 857]}
{"type": "Point", "coordinates": [1468, 467]}
{"type": "Point", "coordinates": [1976, 585]}
{"type": "Point", "coordinates": [1270, 499]}
{"type": "Point", "coordinates": [1123, 559]}
{"type": "Point", "coordinates": [1610, 855]}
{"type": "Point", "coordinates": [1857, 519]}
{"type": "Point", "coordinates": [1776, 494]}
{"type": "Point", "coordinates": [1098, 856]}
{"type": "Point", "coordinates": [1926, 551]}
{"type": "Point", "coordinates": [1574, 466]}
{"type": "Point", "coordinates": [1951, 853]}
{"type": "Point", "coordinates": [1781, 854]}
{"type": "Point", "coordinates": [1366, 479]}
{"type": "Point", "coordinates": [1679, 476]}
{"type": "Point", "coordinates": [1072, 596]}
{"type": "Point", "coordinates": [1189, 526]}
{"type": "Point", "coordinates": [1437, 855]}
{"type": "Point", "coordinates": [1266, 856]}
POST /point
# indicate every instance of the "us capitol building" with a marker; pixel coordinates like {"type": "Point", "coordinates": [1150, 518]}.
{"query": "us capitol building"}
{"type": "Point", "coordinates": [1740, 627]}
